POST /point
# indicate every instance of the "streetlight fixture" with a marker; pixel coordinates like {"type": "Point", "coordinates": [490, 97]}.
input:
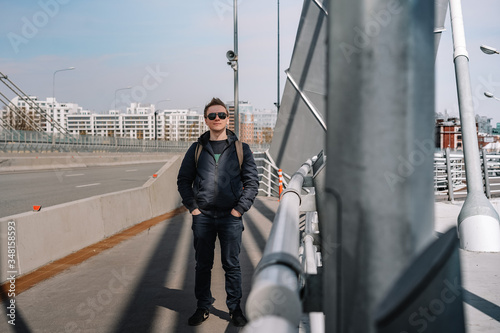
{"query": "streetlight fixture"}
{"type": "Point", "coordinates": [114, 101]}
{"type": "Point", "coordinates": [488, 49]}
{"type": "Point", "coordinates": [163, 100]}
{"type": "Point", "coordinates": [490, 95]}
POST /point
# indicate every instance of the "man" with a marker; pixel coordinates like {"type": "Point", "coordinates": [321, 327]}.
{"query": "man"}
{"type": "Point", "coordinates": [217, 189]}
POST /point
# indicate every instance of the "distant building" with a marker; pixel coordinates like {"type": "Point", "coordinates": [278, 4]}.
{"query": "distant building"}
{"type": "Point", "coordinates": [484, 125]}
{"type": "Point", "coordinates": [181, 125]}
{"type": "Point", "coordinates": [496, 130]}
{"type": "Point", "coordinates": [42, 113]}
{"type": "Point", "coordinates": [141, 122]}
{"type": "Point", "coordinates": [448, 132]}
{"type": "Point", "coordinates": [256, 126]}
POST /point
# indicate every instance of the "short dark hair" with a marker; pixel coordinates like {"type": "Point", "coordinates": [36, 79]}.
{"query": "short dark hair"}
{"type": "Point", "coordinates": [214, 101]}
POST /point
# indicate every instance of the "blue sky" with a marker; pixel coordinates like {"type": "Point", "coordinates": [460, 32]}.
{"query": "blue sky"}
{"type": "Point", "coordinates": [162, 49]}
{"type": "Point", "coordinates": [482, 26]}
{"type": "Point", "coordinates": [175, 50]}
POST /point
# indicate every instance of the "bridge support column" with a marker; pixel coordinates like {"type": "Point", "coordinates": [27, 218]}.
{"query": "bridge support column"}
{"type": "Point", "coordinates": [378, 207]}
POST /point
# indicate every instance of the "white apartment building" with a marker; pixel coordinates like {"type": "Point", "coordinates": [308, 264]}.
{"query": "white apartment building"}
{"type": "Point", "coordinates": [140, 122]}
{"type": "Point", "coordinates": [181, 125]}
{"type": "Point", "coordinates": [54, 110]}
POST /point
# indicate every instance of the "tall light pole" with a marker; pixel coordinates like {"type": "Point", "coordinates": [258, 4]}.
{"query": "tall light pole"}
{"type": "Point", "coordinates": [117, 90]}
{"type": "Point", "coordinates": [54, 87]}
{"type": "Point", "coordinates": [156, 115]}
{"type": "Point", "coordinates": [278, 70]}
{"type": "Point", "coordinates": [236, 97]}
{"type": "Point", "coordinates": [478, 221]}
{"type": "Point", "coordinates": [232, 56]}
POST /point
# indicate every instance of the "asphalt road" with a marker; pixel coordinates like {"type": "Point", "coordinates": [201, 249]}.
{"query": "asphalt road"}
{"type": "Point", "coordinates": [19, 192]}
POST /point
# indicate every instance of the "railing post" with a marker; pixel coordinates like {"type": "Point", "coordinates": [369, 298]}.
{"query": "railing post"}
{"type": "Point", "coordinates": [449, 175]}
{"type": "Point", "coordinates": [269, 184]}
{"type": "Point", "coordinates": [280, 183]}
{"type": "Point", "coordinates": [486, 175]}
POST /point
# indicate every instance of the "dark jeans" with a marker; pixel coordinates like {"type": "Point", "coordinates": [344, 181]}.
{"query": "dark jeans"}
{"type": "Point", "coordinates": [206, 229]}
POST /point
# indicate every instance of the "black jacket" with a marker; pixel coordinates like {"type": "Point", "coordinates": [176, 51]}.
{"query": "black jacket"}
{"type": "Point", "coordinates": [216, 188]}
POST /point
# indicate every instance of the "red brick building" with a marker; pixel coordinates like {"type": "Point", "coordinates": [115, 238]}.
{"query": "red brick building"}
{"type": "Point", "coordinates": [449, 134]}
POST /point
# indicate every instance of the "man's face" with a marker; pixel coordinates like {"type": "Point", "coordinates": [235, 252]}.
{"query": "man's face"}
{"type": "Point", "coordinates": [217, 124]}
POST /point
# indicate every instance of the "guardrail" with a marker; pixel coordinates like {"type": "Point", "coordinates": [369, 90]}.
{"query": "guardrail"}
{"type": "Point", "coordinates": [449, 175]}
{"type": "Point", "coordinates": [40, 142]}
{"type": "Point", "coordinates": [268, 174]}
{"type": "Point", "coordinates": [279, 294]}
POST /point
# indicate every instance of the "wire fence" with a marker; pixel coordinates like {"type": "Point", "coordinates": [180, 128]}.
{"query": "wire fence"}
{"type": "Point", "coordinates": [30, 141]}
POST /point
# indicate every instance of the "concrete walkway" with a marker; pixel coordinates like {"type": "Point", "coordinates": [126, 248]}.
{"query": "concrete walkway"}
{"type": "Point", "coordinates": [145, 284]}
{"type": "Point", "coordinates": [480, 275]}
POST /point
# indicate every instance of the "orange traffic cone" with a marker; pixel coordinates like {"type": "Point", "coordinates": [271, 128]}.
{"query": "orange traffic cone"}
{"type": "Point", "coordinates": [280, 183]}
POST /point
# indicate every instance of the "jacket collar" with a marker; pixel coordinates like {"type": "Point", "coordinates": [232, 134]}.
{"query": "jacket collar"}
{"type": "Point", "coordinates": [205, 137]}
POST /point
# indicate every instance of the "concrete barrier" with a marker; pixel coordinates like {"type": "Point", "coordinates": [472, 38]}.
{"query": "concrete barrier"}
{"type": "Point", "coordinates": [26, 162]}
{"type": "Point", "coordinates": [31, 240]}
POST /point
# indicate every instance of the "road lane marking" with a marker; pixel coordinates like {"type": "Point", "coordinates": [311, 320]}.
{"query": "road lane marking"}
{"type": "Point", "coordinates": [74, 175]}
{"type": "Point", "coordinates": [131, 170]}
{"type": "Point", "coordinates": [88, 185]}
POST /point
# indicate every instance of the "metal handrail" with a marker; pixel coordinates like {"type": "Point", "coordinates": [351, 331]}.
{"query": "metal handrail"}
{"type": "Point", "coordinates": [277, 278]}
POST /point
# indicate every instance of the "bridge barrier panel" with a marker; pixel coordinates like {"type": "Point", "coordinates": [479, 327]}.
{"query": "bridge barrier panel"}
{"type": "Point", "coordinates": [57, 231]}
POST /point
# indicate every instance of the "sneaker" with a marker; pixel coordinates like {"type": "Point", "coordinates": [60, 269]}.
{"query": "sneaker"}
{"type": "Point", "coordinates": [198, 317]}
{"type": "Point", "coordinates": [237, 318]}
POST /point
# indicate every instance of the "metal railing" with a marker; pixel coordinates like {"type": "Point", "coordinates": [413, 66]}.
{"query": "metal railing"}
{"type": "Point", "coordinates": [289, 262]}
{"type": "Point", "coordinates": [449, 175]}
{"type": "Point", "coordinates": [268, 174]}
{"type": "Point", "coordinates": [31, 141]}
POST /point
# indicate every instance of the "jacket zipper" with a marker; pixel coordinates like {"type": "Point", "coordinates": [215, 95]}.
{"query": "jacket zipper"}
{"type": "Point", "coordinates": [216, 184]}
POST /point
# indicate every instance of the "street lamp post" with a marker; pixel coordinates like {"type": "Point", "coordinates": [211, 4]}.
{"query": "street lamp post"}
{"type": "Point", "coordinates": [114, 101]}
{"type": "Point", "coordinates": [278, 71]}
{"type": "Point", "coordinates": [232, 56]}
{"type": "Point", "coordinates": [54, 84]}
{"type": "Point", "coordinates": [54, 81]}
{"type": "Point", "coordinates": [54, 88]}
{"type": "Point", "coordinates": [156, 116]}
{"type": "Point", "coordinates": [478, 221]}
{"type": "Point", "coordinates": [236, 99]}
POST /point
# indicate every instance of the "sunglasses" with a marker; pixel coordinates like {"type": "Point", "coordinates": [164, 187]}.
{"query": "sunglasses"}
{"type": "Point", "coordinates": [222, 115]}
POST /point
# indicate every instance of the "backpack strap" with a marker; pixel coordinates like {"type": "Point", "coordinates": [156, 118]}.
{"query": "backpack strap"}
{"type": "Point", "coordinates": [239, 151]}
{"type": "Point", "coordinates": [197, 153]}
